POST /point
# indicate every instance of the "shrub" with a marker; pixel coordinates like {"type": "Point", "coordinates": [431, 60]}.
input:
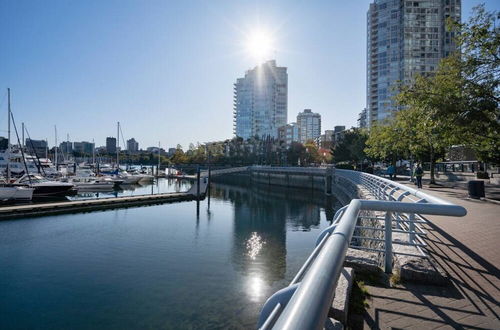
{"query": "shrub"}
{"type": "Point", "coordinates": [482, 175]}
{"type": "Point", "coordinates": [344, 166]}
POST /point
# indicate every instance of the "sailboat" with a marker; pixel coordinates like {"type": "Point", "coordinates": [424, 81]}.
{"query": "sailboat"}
{"type": "Point", "coordinates": [10, 192]}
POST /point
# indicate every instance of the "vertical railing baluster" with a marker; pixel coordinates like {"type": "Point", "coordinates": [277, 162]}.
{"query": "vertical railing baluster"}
{"type": "Point", "coordinates": [388, 243]}
{"type": "Point", "coordinates": [411, 219]}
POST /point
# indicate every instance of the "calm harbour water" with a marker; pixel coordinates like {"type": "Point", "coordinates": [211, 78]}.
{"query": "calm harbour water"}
{"type": "Point", "coordinates": [159, 266]}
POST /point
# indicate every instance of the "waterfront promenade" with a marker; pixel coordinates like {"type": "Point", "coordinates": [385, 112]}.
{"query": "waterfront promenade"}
{"type": "Point", "coordinates": [467, 249]}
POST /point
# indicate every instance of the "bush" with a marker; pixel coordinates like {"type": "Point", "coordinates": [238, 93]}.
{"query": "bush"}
{"type": "Point", "coordinates": [368, 170]}
{"type": "Point", "coordinates": [344, 166]}
{"type": "Point", "coordinates": [482, 175]}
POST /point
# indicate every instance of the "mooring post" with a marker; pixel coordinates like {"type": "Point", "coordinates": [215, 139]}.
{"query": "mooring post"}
{"type": "Point", "coordinates": [328, 180]}
{"type": "Point", "coordinates": [208, 187]}
{"type": "Point", "coordinates": [388, 243]}
{"type": "Point", "coordinates": [209, 177]}
{"type": "Point", "coordinates": [198, 182]}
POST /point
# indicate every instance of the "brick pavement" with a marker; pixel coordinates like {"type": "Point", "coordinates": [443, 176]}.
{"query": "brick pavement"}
{"type": "Point", "coordinates": [468, 249]}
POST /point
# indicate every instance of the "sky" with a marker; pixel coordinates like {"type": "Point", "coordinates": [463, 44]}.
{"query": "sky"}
{"type": "Point", "coordinates": [165, 69]}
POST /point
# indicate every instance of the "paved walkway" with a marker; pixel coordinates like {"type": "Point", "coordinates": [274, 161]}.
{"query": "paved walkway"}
{"type": "Point", "coordinates": [468, 249]}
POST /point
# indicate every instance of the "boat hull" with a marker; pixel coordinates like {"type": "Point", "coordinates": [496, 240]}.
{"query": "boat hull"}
{"type": "Point", "coordinates": [58, 190]}
{"type": "Point", "coordinates": [16, 193]}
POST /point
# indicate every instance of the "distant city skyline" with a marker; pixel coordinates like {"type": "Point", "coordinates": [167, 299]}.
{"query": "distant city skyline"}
{"type": "Point", "coordinates": [83, 66]}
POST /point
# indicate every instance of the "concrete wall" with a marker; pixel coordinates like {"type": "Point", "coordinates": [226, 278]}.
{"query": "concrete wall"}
{"type": "Point", "coordinates": [290, 180]}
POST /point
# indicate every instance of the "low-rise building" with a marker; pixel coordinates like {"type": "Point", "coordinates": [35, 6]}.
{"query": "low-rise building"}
{"type": "Point", "coordinates": [83, 147]}
{"type": "Point", "coordinates": [37, 147]}
{"type": "Point", "coordinates": [66, 146]}
{"type": "Point", "coordinates": [288, 133]}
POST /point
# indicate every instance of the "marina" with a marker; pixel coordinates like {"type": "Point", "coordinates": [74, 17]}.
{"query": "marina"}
{"type": "Point", "coordinates": [263, 165]}
{"type": "Point", "coordinates": [105, 268]}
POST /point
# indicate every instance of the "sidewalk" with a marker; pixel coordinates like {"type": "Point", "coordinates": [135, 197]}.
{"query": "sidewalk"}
{"type": "Point", "coordinates": [468, 249]}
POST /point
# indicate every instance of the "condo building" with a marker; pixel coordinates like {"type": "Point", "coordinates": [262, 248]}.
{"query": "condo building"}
{"type": "Point", "coordinates": [404, 39]}
{"type": "Point", "coordinates": [261, 101]}
{"type": "Point", "coordinates": [288, 134]}
{"type": "Point", "coordinates": [111, 145]}
{"type": "Point", "coordinates": [132, 145]}
{"type": "Point", "coordinates": [309, 125]}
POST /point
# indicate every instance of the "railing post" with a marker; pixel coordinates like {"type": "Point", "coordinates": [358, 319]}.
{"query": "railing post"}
{"type": "Point", "coordinates": [388, 243]}
{"type": "Point", "coordinates": [411, 218]}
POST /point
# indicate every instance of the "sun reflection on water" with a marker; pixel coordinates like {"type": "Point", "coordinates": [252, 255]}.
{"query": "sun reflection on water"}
{"type": "Point", "coordinates": [254, 245]}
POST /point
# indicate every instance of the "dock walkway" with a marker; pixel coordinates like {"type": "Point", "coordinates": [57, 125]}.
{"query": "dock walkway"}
{"type": "Point", "coordinates": [468, 249]}
{"type": "Point", "coordinates": [22, 211]}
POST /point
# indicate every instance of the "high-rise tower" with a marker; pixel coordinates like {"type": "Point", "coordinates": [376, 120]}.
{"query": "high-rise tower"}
{"type": "Point", "coordinates": [404, 38]}
{"type": "Point", "coordinates": [261, 101]}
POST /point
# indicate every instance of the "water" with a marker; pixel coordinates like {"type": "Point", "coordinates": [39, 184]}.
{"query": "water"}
{"type": "Point", "coordinates": [159, 266]}
{"type": "Point", "coordinates": [157, 187]}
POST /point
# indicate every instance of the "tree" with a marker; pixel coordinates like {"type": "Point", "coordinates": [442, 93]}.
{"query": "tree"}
{"type": "Point", "coordinates": [459, 103]}
{"type": "Point", "coordinates": [296, 153]}
{"type": "Point", "coordinates": [386, 141]}
{"type": "Point", "coordinates": [179, 157]}
{"type": "Point", "coordinates": [476, 73]}
{"type": "Point", "coordinates": [312, 155]}
{"type": "Point", "coordinates": [351, 148]}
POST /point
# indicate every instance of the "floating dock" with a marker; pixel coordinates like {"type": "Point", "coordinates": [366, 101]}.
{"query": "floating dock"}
{"type": "Point", "coordinates": [43, 209]}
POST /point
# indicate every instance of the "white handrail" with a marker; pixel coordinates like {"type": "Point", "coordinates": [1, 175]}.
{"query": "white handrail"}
{"type": "Point", "coordinates": [308, 307]}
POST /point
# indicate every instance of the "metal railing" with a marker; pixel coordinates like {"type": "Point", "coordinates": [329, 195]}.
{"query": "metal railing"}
{"type": "Point", "coordinates": [305, 303]}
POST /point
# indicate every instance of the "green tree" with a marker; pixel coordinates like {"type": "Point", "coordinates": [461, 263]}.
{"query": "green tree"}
{"type": "Point", "coordinates": [351, 147]}
{"type": "Point", "coordinates": [296, 154]}
{"type": "Point", "coordinates": [459, 103]}
{"type": "Point", "coordinates": [312, 155]}
{"type": "Point", "coordinates": [179, 156]}
{"type": "Point", "coordinates": [387, 141]}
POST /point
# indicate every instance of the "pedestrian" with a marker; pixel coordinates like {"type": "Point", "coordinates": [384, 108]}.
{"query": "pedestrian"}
{"type": "Point", "coordinates": [419, 172]}
{"type": "Point", "coordinates": [391, 170]}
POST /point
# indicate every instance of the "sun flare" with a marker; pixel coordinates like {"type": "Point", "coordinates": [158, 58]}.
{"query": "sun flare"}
{"type": "Point", "coordinates": [259, 44]}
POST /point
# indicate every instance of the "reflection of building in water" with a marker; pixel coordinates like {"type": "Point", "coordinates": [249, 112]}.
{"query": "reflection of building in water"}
{"type": "Point", "coordinates": [261, 217]}
{"type": "Point", "coordinates": [259, 237]}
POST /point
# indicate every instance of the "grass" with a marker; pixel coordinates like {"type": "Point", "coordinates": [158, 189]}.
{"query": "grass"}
{"type": "Point", "coordinates": [396, 279]}
{"type": "Point", "coordinates": [359, 298]}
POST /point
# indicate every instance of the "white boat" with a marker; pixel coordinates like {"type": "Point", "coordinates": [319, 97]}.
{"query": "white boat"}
{"type": "Point", "coordinates": [143, 178]}
{"type": "Point", "coordinates": [92, 183]}
{"type": "Point", "coordinates": [15, 193]}
{"type": "Point", "coordinates": [16, 164]}
{"type": "Point", "coordinates": [84, 172]}
{"type": "Point", "coordinates": [44, 187]}
{"type": "Point", "coordinates": [128, 178]}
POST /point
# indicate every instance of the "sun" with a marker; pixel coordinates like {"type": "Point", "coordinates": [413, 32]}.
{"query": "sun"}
{"type": "Point", "coordinates": [259, 44]}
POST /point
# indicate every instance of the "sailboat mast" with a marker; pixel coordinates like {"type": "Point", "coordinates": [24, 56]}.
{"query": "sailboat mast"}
{"type": "Point", "coordinates": [8, 135]}
{"type": "Point", "coordinates": [159, 159]}
{"type": "Point", "coordinates": [118, 146]}
{"type": "Point", "coordinates": [55, 155]}
{"type": "Point", "coordinates": [67, 145]}
{"type": "Point", "coordinates": [22, 136]}
{"type": "Point", "coordinates": [93, 152]}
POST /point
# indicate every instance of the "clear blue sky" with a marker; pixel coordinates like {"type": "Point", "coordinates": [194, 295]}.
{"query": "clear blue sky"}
{"type": "Point", "coordinates": [165, 69]}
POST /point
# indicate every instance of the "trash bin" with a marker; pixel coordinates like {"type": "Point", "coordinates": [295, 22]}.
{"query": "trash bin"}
{"type": "Point", "coordinates": [476, 189]}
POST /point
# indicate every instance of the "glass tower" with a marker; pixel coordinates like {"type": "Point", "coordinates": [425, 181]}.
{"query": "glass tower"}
{"type": "Point", "coordinates": [404, 38]}
{"type": "Point", "coordinates": [261, 101]}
